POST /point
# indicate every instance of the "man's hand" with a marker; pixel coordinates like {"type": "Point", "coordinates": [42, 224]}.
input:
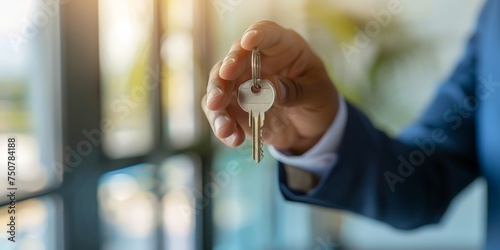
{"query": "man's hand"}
{"type": "Point", "coordinates": [306, 101]}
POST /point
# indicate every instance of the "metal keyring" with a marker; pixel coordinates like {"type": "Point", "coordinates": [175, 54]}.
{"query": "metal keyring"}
{"type": "Point", "coordinates": [256, 68]}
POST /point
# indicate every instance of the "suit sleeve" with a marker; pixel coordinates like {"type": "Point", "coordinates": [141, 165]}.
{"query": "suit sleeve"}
{"type": "Point", "coordinates": [407, 181]}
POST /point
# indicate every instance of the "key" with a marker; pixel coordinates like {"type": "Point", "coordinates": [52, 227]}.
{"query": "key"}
{"type": "Point", "coordinates": [256, 101]}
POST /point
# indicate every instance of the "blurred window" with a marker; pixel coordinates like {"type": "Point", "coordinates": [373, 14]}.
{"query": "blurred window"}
{"type": "Point", "coordinates": [30, 111]}
{"type": "Point", "coordinates": [148, 206]}
{"type": "Point", "coordinates": [38, 224]}
{"type": "Point", "coordinates": [127, 76]}
{"type": "Point", "coordinates": [128, 208]}
{"type": "Point", "coordinates": [30, 95]}
{"type": "Point", "coordinates": [179, 73]}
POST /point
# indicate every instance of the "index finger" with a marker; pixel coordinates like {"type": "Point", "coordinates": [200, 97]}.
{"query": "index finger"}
{"type": "Point", "coordinates": [282, 50]}
{"type": "Point", "coordinates": [271, 39]}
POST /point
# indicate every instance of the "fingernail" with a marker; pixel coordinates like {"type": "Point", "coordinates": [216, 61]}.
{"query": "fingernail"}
{"type": "Point", "coordinates": [230, 139]}
{"type": "Point", "coordinates": [249, 34]}
{"type": "Point", "coordinates": [282, 90]}
{"type": "Point", "coordinates": [227, 61]}
{"type": "Point", "coordinates": [219, 122]}
{"type": "Point", "coordinates": [213, 93]}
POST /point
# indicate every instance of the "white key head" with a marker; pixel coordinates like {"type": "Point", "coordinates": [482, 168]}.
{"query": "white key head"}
{"type": "Point", "coordinates": [259, 101]}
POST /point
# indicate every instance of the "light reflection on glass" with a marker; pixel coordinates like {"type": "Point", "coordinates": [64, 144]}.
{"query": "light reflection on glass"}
{"type": "Point", "coordinates": [179, 213]}
{"type": "Point", "coordinates": [242, 208]}
{"type": "Point", "coordinates": [125, 32]}
{"type": "Point", "coordinates": [37, 224]}
{"type": "Point", "coordinates": [178, 57]}
{"type": "Point", "coordinates": [128, 208]}
{"type": "Point", "coordinates": [122, 186]}
{"type": "Point", "coordinates": [31, 175]}
{"type": "Point", "coordinates": [13, 16]}
{"type": "Point", "coordinates": [34, 177]}
{"type": "Point", "coordinates": [30, 94]}
{"type": "Point", "coordinates": [228, 215]}
{"type": "Point", "coordinates": [178, 221]}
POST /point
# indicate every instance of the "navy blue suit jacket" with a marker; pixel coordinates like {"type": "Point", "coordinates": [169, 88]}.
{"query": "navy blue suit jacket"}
{"type": "Point", "coordinates": [409, 181]}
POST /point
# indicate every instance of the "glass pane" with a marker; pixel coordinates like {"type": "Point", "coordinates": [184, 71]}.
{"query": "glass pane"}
{"type": "Point", "coordinates": [127, 77]}
{"type": "Point", "coordinates": [37, 223]}
{"type": "Point", "coordinates": [180, 93]}
{"type": "Point", "coordinates": [180, 207]}
{"type": "Point", "coordinates": [128, 208]}
{"type": "Point", "coordinates": [30, 99]}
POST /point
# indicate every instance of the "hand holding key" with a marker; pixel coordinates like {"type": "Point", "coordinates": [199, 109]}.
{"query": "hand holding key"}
{"type": "Point", "coordinates": [306, 100]}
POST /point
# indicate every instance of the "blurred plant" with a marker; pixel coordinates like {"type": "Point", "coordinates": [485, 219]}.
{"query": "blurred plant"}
{"type": "Point", "coordinates": [378, 77]}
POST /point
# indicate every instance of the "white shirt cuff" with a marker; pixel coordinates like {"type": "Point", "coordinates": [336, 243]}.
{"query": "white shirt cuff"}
{"type": "Point", "coordinates": [322, 156]}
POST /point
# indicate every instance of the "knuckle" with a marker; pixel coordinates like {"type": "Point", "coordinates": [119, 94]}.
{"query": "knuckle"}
{"type": "Point", "coordinates": [295, 36]}
{"type": "Point", "coordinates": [232, 54]}
{"type": "Point", "coordinates": [212, 82]}
{"type": "Point", "coordinates": [215, 68]}
{"type": "Point", "coordinates": [235, 45]}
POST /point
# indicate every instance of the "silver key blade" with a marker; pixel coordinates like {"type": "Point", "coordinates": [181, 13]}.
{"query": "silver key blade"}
{"type": "Point", "coordinates": [257, 122]}
{"type": "Point", "coordinates": [256, 104]}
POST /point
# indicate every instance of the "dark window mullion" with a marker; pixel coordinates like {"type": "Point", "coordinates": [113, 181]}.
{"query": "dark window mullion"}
{"type": "Point", "coordinates": [81, 111]}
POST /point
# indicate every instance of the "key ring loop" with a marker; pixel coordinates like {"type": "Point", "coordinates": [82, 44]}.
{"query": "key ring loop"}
{"type": "Point", "coordinates": [256, 68]}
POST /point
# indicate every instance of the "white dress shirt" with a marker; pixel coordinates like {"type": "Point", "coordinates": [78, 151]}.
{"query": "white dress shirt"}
{"type": "Point", "coordinates": [322, 156]}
